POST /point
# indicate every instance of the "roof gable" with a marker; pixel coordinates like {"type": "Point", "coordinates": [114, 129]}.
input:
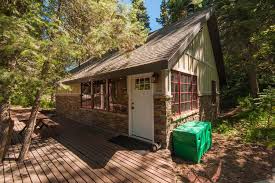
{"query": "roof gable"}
{"type": "Point", "coordinates": [162, 49]}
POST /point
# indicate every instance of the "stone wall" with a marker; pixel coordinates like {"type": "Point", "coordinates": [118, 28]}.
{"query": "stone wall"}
{"type": "Point", "coordinates": [164, 122]}
{"type": "Point", "coordinates": [69, 107]}
{"type": "Point", "coordinates": [207, 110]}
{"type": "Point", "coordinates": [162, 117]}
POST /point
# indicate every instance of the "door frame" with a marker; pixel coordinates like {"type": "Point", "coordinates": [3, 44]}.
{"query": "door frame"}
{"type": "Point", "coordinates": [130, 97]}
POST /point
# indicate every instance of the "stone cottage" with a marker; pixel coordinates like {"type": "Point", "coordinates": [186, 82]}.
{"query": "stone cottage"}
{"type": "Point", "coordinates": [174, 77]}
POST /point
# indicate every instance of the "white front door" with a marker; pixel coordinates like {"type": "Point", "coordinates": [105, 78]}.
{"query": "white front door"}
{"type": "Point", "coordinates": [142, 107]}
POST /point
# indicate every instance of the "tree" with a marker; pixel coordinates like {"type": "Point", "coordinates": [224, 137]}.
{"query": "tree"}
{"type": "Point", "coordinates": [14, 39]}
{"type": "Point", "coordinates": [141, 13]}
{"type": "Point", "coordinates": [46, 37]}
{"type": "Point", "coordinates": [241, 23]}
{"type": "Point", "coordinates": [164, 14]}
{"type": "Point", "coordinates": [181, 8]}
{"type": "Point", "coordinates": [246, 29]}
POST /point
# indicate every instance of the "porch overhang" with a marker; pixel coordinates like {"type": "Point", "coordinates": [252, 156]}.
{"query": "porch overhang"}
{"type": "Point", "coordinates": [151, 67]}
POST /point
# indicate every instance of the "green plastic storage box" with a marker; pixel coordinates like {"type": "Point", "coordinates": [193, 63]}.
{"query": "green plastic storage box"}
{"type": "Point", "coordinates": [192, 139]}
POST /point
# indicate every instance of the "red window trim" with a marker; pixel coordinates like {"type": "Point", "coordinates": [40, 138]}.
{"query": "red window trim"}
{"type": "Point", "coordinates": [179, 83]}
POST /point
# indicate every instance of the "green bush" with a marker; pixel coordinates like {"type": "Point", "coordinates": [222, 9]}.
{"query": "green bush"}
{"type": "Point", "coordinates": [255, 122]}
{"type": "Point", "coordinates": [46, 103]}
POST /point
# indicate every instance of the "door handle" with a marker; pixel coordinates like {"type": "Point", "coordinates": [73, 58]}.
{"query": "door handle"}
{"type": "Point", "coordinates": [133, 107]}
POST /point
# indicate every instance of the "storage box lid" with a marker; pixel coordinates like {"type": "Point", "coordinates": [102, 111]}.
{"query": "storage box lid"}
{"type": "Point", "coordinates": [193, 127]}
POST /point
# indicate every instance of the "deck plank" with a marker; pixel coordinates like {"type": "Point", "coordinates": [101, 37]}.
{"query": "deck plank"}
{"type": "Point", "coordinates": [41, 158]}
{"type": "Point", "coordinates": [90, 152]}
{"type": "Point", "coordinates": [86, 172]}
{"type": "Point", "coordinates": [95, 159]}
{"type": "Point", "coordinates": [136, 164]}
{"type": "Point", "coordinates": [83, 158]}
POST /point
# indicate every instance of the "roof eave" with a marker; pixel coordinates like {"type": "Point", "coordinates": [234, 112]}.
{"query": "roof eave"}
{"type": "Point", "coordinates": [152, 67]}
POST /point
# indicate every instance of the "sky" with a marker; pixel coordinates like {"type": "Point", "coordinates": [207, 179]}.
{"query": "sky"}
{"type": "Point", "coordinates": [153, 9]}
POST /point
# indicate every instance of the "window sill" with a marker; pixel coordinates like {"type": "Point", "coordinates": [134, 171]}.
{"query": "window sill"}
{"type": "Point", "coordinates": [103, 111]}
{"type": "Point", "coordinates": [178, 117]}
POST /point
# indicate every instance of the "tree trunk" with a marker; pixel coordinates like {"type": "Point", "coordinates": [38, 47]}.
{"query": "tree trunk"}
{"type": "Point", "coordinates": [30, 126]}
{"type": "Point", "coordinates": [253, 83]}
{"type": "Point", "coordinates": [32, 120]}
{"type": "Point", "coordinates": [6, 126]}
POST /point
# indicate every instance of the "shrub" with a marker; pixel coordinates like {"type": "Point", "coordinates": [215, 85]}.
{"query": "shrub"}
{"type": "Point", "coordinates": [255, 122]}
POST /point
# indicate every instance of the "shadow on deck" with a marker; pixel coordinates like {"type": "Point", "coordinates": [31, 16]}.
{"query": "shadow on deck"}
{"type": "Point", "coordinates": [77, 153]}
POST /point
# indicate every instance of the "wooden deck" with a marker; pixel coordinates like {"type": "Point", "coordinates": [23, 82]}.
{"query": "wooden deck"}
{"type": "Point", "coordinates": [79, 153]}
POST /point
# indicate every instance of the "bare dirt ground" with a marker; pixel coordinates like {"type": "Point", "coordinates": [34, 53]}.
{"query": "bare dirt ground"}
{"type": "Point", "coordinates": [229, 160]}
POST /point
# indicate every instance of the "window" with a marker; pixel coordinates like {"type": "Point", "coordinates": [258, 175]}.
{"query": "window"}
{"type": "Point", "coordinates": [184, 92]}
{"type": "Point", "coordinates": [118, 98]}
{"type": "Point", "coordinates": [108, 95]}
{"type": "Point", "coordinates": [142, 84]}
{"type": "Point", "coordinates": [99, 94]}
{"type": "Point", "coordinates": [86, 96]}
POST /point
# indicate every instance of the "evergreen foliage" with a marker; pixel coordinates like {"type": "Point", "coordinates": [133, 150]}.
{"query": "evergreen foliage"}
{"type": "Point", "coordinates": [164, 14]}
{"type": "Point", "coordinates": [247, 35]}
{"type": "Point", "coordinates": [141, 13]}
{"type": "Point", "coordinates": [40, 39]}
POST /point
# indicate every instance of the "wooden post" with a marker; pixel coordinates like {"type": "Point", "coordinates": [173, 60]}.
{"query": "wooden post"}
{"type": "Point", "coordinates": [107, 95]}
{"type": "Point", "coordinates": [101, 96]}
{"type": "Point", "coordinates": [92, 95]}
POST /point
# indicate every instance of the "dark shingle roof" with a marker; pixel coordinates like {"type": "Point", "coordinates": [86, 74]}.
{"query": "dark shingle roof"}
{"type": "Point", "coordinates": [161, 48]}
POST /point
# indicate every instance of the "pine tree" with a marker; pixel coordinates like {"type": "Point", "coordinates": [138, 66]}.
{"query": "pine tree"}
{"type": "Point", "coordinates": [182, 8]}
{"type": "Point", "coordinates": [39, 40]}
{"type": "Point", "coordinates": [164, 14]}
{"type": "Point", "coordinates": [141, 13]}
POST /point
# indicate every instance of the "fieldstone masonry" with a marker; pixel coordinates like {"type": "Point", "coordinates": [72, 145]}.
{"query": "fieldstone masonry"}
{"type": "Point", "coordinates": [162, 118]}
{"type": "Point", "coordinates": [164, 122]}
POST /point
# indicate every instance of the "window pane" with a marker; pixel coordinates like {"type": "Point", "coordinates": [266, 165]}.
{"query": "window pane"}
{"type": "Point", "coordinates": [182, 89]}
{"type": "Point", "coordinates": [86, 97]}
{"type": "Point", "coordinates": [147, 86]}
{"type": "Point", "coordinates": [176, 97]}
{"type": "Point", "coordinates": [118, 99]}
{"type": "Point", "coordinates": [99, 95]}
{"type": "Point", "coordinates": [141, 84]}
{"type": "Point", "coordinates": [175, 108]}
{"type": "Point", "coordinates": [185, 88]}
{"type": "Point", "coordinates": [188, 106]}
{"type": "Point", "coordinates": [137, 84]}
{"type": "Point", "coordinates": [147, 80]}
{"type": "Point", "coordinates": [182, 78]}
{"type": "Point", "coordinates": [172, 76]}
{"type": "Point", "coordinates": [173, 87]}
{"type": "Point", "coordinates": [182, 97]}
{"type": "Point", "coordinates": [176, 88]}
{"type": "Point", "coordinates": [185, 107]}
{"type": "Point", "coordinates": [188, 79]}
